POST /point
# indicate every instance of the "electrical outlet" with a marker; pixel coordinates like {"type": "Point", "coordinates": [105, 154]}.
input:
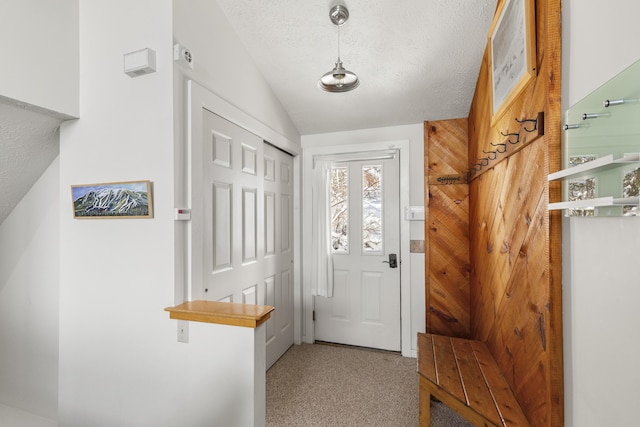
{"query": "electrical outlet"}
{"type": "Point", "coordinates": [183, 331]}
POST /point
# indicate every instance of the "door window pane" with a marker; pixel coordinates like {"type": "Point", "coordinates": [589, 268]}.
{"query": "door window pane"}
{"type": "Point", "coordinates": [372, 209]}
{"type": "Point", "coordinates": [339, 209]}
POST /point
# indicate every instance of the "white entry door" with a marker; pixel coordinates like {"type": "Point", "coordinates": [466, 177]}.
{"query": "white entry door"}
{"type": "Point", "coordinates": [365, 307]}
{"type": "Point", "coordinates": [242, 225]}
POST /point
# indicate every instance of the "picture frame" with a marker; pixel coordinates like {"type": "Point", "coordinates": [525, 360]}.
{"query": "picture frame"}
{"type": "Point", "coordinates": [512, 53]}
{"type": "Point", "coordinates": [125, 199]}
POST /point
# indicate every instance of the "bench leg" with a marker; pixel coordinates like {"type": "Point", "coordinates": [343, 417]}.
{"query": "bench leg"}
{"type": "Point", "coordinates": [425, 404]}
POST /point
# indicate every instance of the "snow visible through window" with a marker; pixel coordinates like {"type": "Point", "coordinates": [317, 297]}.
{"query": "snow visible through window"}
{"type": "Point", "coordinates": [372, 208]}
{"type": "Point", "coordinates": [340, 209]}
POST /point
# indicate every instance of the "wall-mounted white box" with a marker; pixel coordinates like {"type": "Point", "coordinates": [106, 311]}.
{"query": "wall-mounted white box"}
{"type": "Point", "coordinates": [140, 62]}
{"type": "Point", "coordinates": [414, 213]}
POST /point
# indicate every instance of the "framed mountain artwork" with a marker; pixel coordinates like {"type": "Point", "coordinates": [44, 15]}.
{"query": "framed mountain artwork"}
{"type": "Point", "coordinates": [129, 199]}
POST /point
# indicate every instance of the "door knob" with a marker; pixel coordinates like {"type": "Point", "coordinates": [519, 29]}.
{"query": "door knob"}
{"type": "Point", "coordinates": [393, 261]}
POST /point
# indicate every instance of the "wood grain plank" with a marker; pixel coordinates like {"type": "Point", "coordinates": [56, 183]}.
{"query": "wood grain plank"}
{"type": "Point", "coordinates": [426, 361]}
{"type": "Point", "coordinates": [478, 393]}
{"type": "Point", "coordinates": [425, 403]}
{"type": "Point", "coordinates": [486, 399]}
{"type": "Point", "coordinates": [246, 315]}
{"type": "Point", "coordinates": [515, 247]}
{"type": "Point", "coordinates": [447, 371]}
{"type": "Point", "coordinates": [510, 412]}
{"type": "Point", "coordinates": [449, 261]}
{"type": "Point", "coordinates": [447, 229]}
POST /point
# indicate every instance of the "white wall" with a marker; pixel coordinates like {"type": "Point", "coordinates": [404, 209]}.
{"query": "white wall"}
{"type": "Point", "coordinates": [414, 134]}
{"type": "Point", "coordinates": [600, 255]}
{"type": "Point", "coordinates": [29, 286]}
{"type": "Point", "coordinates": [39, 52]}
{"type": "Point", "coordinates": [120, 362]}
{"type": "Point", "coordinates": [222, 65]}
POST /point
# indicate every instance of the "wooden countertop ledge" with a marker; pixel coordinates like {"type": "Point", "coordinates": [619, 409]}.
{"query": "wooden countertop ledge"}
{"type": "Point", "coordinates": [223, 313]}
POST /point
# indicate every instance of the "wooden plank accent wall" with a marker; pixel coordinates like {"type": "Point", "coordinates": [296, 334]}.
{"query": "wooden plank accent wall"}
{"type": "Point", "coordinates": [515, 247]}
{"type": "Point", "coordinates": [447, 227]}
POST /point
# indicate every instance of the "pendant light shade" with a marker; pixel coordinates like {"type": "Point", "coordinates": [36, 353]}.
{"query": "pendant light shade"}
{"type": "Point", "coordinates": [339, 79]}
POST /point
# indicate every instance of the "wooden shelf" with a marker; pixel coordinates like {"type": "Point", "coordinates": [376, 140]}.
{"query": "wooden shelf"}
{"type": "Point", "coordinates": [594, 166]}
{"type": "Point", "coordinates": [223, 313]}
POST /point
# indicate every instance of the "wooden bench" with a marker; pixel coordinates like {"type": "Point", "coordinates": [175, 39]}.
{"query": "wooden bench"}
{"type": "Point", "coordinates": [463, 375]}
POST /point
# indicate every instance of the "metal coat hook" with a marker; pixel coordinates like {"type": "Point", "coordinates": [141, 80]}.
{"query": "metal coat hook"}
{"type": "Point", "coordinates": [587, 116]}
{"type": "Point", "coordinates": [495, 154]}
{"type": "Point", "coordinates": [611, 102]}
{"type": "Point", "coordinates": [527, 129]}
{"type": "Point", "coordinates": [504, 147]}
{"type": "Point", "coordinates": [517, 136]}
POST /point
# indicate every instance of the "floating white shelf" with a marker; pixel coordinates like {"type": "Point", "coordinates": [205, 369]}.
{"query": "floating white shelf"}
{"type": "Point", "coordinates": [594, 203]}
{"type": "Point", "coordinates": [598, 165]}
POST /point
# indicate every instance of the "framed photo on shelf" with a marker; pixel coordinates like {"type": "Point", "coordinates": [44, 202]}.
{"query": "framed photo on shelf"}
{"type": "Point", "coordinates": [512, 52]}
{"type": "Point", "coordinates": [129, 199]}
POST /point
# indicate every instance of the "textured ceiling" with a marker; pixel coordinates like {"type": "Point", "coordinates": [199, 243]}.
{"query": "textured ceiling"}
{"type": "Point", "coordinates": [29, 142]}
{"type": "Point", "coordinates": [416, 59]}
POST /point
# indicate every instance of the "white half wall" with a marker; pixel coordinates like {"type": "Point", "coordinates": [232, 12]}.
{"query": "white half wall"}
{"type": "Point", "coordinates": [39, 52]}
{"type": "Point", "coordinates": [600, 255]}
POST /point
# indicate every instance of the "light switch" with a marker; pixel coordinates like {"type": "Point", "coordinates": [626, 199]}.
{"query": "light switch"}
{"type": "Point", "coordinates": [414, 213]}
{"type": "Point", "coordinates": [182, 214]}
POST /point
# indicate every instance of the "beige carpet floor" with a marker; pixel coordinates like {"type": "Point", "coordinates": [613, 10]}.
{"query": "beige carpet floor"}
{"type": "Point", "coordinates": [326, 385]}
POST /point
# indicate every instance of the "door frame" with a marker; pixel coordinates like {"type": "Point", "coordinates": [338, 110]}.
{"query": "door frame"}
{"type": "Point", "coordinates": [403, 147]}
{"type": "Point", "coordinates": [197, 99]}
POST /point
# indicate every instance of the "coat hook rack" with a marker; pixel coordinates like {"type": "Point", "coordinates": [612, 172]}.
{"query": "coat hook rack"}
{"type": "Point", "coordinates": [516, 135]}
{"type": "Point", "coordinates": [535, 126]}
{"type": "Point", "coordinates": [504, 147]}
{"type": "Point", "coordinates": [495, 154]}
{"type": "Point", "coordinates": [527, 121]}
{"type": "Point", "coordinates": [450, 179]}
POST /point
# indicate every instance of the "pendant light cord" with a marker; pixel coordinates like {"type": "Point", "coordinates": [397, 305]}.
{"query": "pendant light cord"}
{"type": "Point", "coordinates": [338, 42]}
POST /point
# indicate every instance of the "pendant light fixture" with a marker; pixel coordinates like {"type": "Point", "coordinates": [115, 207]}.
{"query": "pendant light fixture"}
{"type": "Point", "coordinates": [339, 79]}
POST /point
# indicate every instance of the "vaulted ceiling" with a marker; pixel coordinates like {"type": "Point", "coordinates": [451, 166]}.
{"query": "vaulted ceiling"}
{"type": "Point", "coordinates": [417, 59]}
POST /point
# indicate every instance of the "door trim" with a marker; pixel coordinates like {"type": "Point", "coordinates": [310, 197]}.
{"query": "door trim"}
{"type": "Point", "coordinates": [197, 99]}
{"type": "Point", "coordinates": [403, 147]}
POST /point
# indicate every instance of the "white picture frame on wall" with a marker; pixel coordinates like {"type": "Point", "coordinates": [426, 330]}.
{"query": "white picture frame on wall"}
{"type": "Point", "coordinates": [512, 52]}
